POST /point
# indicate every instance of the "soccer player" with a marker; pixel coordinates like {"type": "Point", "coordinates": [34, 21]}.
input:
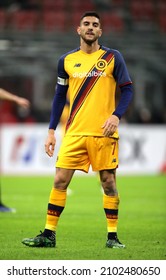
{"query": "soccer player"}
{"type": "Point", "coordinates": [88, 75]}
{"type": "Point", "coordinates": [23, 102]}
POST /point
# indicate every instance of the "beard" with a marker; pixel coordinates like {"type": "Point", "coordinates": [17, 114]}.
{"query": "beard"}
{"type": "Point", "coordinates": [89, 41]}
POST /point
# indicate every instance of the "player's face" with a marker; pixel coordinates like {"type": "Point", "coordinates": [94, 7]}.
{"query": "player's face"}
{"type": "Point", "coordinates": [89, 29]}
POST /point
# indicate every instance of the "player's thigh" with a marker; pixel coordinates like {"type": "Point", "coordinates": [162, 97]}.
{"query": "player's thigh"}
{"type": "Point", "coordinates": [104, 153]}
{"type": "Point", "coordinates": [73, 154]}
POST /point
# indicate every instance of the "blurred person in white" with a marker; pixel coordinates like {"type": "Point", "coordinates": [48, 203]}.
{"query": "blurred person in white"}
{"type": "Point", "coordinates": [24, 103]}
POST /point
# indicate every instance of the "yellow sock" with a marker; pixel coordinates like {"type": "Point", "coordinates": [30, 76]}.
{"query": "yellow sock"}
{"type": "Point", "coordinates": [111, 204]}
{"type": "Point", "coordinates": [56, 205]}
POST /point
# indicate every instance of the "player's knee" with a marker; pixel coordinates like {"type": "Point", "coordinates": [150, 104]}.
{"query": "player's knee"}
{"type": "Point", "coordinates": [109, 186]}
{"type": "Point", "coordinates": [60, 182]}
{"type": "Point", "coordinates": [108, 181]}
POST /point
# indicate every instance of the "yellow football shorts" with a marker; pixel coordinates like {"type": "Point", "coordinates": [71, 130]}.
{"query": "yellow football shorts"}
{"type": "Point", "coordinates": [79, 152]}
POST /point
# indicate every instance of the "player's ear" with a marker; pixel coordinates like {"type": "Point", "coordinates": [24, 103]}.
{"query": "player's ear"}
{"type": "Point", "coordinates": [78, 30]}
{"type": "Point", "coordinates": [100, 33]}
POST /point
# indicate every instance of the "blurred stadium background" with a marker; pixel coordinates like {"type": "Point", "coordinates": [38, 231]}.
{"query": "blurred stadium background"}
{"type": "Point", "coordinates": [33, 34]}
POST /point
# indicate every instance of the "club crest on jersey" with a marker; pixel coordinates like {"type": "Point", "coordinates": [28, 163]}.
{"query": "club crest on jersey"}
{"type": "Point", "coordinates": [77, 65]}
{"type": "Point", "coordinates": [101, 64]}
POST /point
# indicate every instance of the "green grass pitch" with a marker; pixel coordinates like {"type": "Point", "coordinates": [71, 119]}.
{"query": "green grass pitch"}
{"type": "Point", "coordinates": [81, 233]}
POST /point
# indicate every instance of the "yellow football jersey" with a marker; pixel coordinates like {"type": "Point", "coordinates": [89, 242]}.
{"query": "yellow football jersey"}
{"type": "Point", "coordinates": [92, 80]}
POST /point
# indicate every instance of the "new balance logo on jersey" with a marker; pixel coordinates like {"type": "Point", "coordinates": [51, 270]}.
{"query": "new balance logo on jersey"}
{"type": "Point", "coordinates": [77, 65]}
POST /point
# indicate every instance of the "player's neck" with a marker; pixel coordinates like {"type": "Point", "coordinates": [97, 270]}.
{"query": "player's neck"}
{"type": "Point", "coordinates": [89, 48]}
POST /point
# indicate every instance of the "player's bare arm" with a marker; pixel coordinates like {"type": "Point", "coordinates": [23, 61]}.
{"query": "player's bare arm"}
{"type": "Point", "coordinates": [23, 102]}
{"type": "Point", "coordinates": [110, 126]}
{"type": "Point", "coordinates": [50, 143]}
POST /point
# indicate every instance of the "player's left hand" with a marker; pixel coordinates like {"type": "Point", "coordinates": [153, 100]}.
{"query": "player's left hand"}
{"type": "Point", "coordinates": [110, 126]}
{"type": "Point", "coordinates": [23, 102]}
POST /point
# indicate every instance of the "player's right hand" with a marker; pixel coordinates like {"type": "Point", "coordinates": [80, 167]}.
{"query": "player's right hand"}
{"type": "Point", "coordinates": [50, 144]}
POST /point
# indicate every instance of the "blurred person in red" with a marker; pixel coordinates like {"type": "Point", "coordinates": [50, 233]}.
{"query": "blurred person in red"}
{"type": "Point", "coordinates": [24, 103]}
